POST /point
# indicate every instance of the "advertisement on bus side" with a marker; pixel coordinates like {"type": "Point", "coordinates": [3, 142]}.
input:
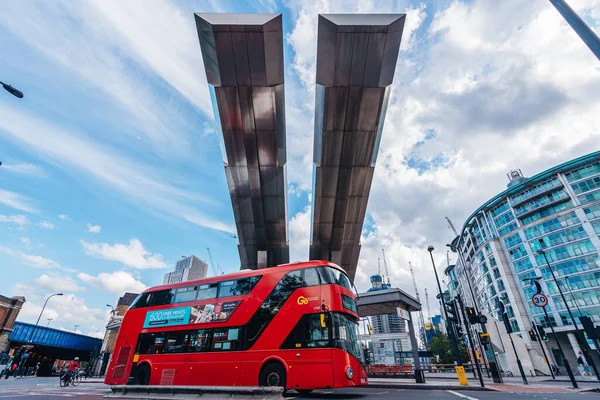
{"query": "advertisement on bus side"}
{"type": "Point", "coordinates": [202, 314]}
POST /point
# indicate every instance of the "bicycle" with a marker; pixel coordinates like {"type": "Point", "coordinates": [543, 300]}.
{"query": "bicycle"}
{"type": "Point", "coordinates": [73, 379]}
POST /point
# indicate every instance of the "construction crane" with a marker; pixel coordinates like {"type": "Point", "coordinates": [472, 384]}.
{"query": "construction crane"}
{"type": "Point", "coordinates": [421, 319]}
{"type": "Point", "coordinates": [428, 309]}
{"type": "Point", "coordinates": [212, 263]}
{"type": "Point", "coordinates": [451, 226]}
{"type": "Point", "coordinates": [385, 265]}
{"type": "Point", "coordinates": [378, 266]}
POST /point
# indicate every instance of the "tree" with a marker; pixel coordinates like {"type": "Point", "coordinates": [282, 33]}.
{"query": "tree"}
{"type": "Point", "coordinates": [441, 346]}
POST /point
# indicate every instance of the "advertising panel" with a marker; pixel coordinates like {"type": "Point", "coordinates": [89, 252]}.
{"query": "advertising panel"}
{"type": "Point", "coordinates": [202, 314]}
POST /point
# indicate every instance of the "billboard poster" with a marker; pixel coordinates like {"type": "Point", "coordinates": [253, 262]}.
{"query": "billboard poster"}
{"type": "Point", "coordinates": [402, 313]}
{"type": "Point", "coordinates": [170, 317]}
{"type": "Point", "coordinates": [216, 312]}
{"type": "Point", "coordinates": [202, 314]}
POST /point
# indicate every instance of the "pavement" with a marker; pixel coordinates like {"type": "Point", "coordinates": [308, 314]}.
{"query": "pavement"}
{"type": "Point", "coordinates": [33, 388]}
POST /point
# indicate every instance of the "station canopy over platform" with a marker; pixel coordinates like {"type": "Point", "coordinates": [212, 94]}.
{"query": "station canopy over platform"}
{"type": "Point", "coordinates": [381, 302]}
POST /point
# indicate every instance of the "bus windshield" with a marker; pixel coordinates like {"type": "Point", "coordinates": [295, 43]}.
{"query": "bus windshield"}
{"type": "Point", "coordinates": [345, 336]}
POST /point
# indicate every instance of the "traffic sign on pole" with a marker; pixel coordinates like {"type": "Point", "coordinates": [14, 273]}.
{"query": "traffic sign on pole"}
{"type": "Point", "coordinates": [539, 300]}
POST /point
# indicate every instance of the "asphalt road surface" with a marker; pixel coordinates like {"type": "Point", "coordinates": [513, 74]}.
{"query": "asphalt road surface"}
{"type": "Point", "coordinates": [48, 388]}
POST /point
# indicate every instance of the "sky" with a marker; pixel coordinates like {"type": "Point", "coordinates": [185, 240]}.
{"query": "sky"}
{"type": "Point", "coordinates": [112, 169]}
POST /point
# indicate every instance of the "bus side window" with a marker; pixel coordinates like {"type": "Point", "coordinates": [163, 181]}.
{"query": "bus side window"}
{"type": "Point", "coordinates": [186, 294]}
{"type": "Point", "coordinates": [309, 332]}
{"type": "Point", "coordinates": [177, 342]}
{"type": "Point", "coordinates": [141, 301]}
{"type": "Point", "coordinates": [311, 277]}
{"type": "Point", "coordinates": [151, 343]}
{"type": "Point", "coordinates": [161, 298]}
{"type": "Point", "coordinates": [199, 340]}
{"type": "Point", "coordinates": [208, 291]}
{"type": "Point", "coordinates": [145, 343]}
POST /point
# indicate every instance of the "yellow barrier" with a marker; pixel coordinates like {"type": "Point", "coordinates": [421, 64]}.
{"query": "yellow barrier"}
{"type": "Point", "coordinates": [462, 377]}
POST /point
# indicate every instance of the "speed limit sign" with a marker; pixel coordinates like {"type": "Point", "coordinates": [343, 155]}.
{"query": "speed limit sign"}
{"type": "Point", "coordinates": [540, 300]}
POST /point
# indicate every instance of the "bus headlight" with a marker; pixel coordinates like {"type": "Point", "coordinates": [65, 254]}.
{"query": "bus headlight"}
{"type": "Point", "coordinates": [349, 372]}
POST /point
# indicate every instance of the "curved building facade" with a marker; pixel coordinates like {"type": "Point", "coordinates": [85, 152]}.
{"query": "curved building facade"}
{"type": "Point", "coordinates": [557, 210]}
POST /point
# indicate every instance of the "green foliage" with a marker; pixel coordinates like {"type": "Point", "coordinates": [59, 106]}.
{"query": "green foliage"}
{"type": "Point", "coordinates": [440, 345]}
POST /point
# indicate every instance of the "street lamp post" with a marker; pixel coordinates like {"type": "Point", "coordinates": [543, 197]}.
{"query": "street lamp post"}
{"type": "Point", "coordinates": [491, 366]}
{"type": "Point", "coordinates": [578, 334]}
{"type": "Point", "coordinates": [34, 330]}
{"type": "Point", "coordinates": [40, 316]}
{"type": "Point", "coordinates": [12, 90]}
{"type": "Point", "coordinates": [450, 333]}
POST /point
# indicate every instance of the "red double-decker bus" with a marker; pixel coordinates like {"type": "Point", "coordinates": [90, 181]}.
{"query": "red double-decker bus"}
{"type": "Point", "coordinates": [293, 325]}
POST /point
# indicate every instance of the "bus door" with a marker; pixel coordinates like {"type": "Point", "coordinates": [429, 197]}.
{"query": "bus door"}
{"type": "Point", "coordinates": [312, 366]}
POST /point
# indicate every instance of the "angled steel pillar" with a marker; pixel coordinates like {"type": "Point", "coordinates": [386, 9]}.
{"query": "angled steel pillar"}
{"type": "Point", "coordinates": [356, 60]}
{"type": "Point", "coordinates": [243, 58]}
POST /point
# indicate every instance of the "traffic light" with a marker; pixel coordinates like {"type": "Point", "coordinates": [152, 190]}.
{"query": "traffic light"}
{"type": "Point", "coordinates": [591, 331]}
{"type": "Point", "coordinates": [532, 336]}
{"type": "Point", "coordinates": [541, 332]}
{"type": "Point", "coordinates": [472, 315]}
{"type": "Point", "coordinates": [459, 332]}
{"type": "Point", "coordinates": [451, 311]}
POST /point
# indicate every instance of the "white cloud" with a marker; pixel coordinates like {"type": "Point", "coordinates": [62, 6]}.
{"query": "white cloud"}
{"type": "Point", "coordinates": [133, 255]}
{"type": "Point", "coordinates": [25, 169]}
{"type": "Point", "coordinates": [54, 283]}
{"type": "Point", "coordinates": [29, 259]}
{"type": "Point", "coordinates": [76, 153]}
{"type": "Point", "coordinates": [14, 219]}
{"type": "Point", "coordinates": [26, 241]}
{"type": "Point", "coordinates": [16, 201]}
{"type": "Point", "coordinates": [94, 228]}
{"type": "Point", "coordinates": [63, 217]}
{"type": "Point", "coordinates": [117, 282]}
{"type": "Point", "coordinates": [68, 310]}
{"type": "Point", "coordinates": [168, 46]}
{"type": "Point", "coordinates": [300, 228]}
{"type": "Point", "coordinates": [47, 225]}
{"type": "Point", "coordinates": [113, 49]}
{"type": "Point", "coordinates": [38, 261]}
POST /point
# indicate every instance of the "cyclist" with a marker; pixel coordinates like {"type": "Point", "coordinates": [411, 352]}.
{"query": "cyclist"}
{"type": "Point", "coordinates": [74, 366]}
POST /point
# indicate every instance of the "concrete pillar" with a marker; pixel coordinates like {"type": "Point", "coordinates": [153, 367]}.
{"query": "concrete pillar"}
{"type": "Point", "coordinates": [419, 377]}
{"type": "Point", "coordinates": [574, 344]}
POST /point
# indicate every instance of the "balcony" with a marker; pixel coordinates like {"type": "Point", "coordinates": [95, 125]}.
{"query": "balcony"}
{"type": "Point", "coordinates": [522, 214]}
{"type": "Point", "coordinates": [535, 194]}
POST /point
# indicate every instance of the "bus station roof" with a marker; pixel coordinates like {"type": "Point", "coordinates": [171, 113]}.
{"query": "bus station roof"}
{"type": "Point", "coordinates": [380, 302]}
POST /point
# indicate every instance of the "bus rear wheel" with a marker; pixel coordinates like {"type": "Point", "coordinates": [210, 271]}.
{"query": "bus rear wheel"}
{"type": "Point", "coordinates": [142, 375]}
{"type": "Point", "coordinates": [272, 374]}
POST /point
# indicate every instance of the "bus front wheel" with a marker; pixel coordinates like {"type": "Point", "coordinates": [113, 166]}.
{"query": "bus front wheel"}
{"type": "Point", "coordinates": [272, 374]}
{"type": "Point", "coordinates": [142, 375]}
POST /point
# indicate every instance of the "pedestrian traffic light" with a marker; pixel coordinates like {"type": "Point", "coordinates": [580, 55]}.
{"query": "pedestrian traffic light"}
{"type": "Point", "coordinates": [541, 332]}
{"type": "Point", "coordinates": [459, 332]}
{"type": "Point", "coordinates": [532, 336]}
{"type": "Point", "coordinates": [472, 315]}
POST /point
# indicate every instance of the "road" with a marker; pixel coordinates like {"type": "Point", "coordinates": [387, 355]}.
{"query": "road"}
{"type": "Point", "coordinates": [48, 389]}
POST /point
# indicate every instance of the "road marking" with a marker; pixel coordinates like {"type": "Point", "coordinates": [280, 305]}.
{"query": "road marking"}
{"type": "Point", "coordinates": [461, 395]}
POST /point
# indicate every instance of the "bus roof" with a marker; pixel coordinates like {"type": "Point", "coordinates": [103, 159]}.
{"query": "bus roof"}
{"type": "Point", "coordinates": [247, 273]}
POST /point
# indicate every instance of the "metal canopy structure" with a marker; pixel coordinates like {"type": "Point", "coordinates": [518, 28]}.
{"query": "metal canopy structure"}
{"type": "Point", "coordinates": [381, 302]}
{"type": "Point", "coordinates": [356, 60]}
{"type": "Point", "coordinates": [243, 59]}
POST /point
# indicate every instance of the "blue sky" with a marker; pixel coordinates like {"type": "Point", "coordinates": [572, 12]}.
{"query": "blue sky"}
{"type": "Point", "coordinates": [112, 167]}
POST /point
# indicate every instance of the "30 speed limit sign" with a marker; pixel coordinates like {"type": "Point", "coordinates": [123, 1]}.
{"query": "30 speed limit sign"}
{"type": "Point", "coordinates": [540, 300]}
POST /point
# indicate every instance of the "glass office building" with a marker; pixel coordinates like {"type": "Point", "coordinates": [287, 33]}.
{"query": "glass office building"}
{"type": "Point", "coordinates": [557, 210]}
